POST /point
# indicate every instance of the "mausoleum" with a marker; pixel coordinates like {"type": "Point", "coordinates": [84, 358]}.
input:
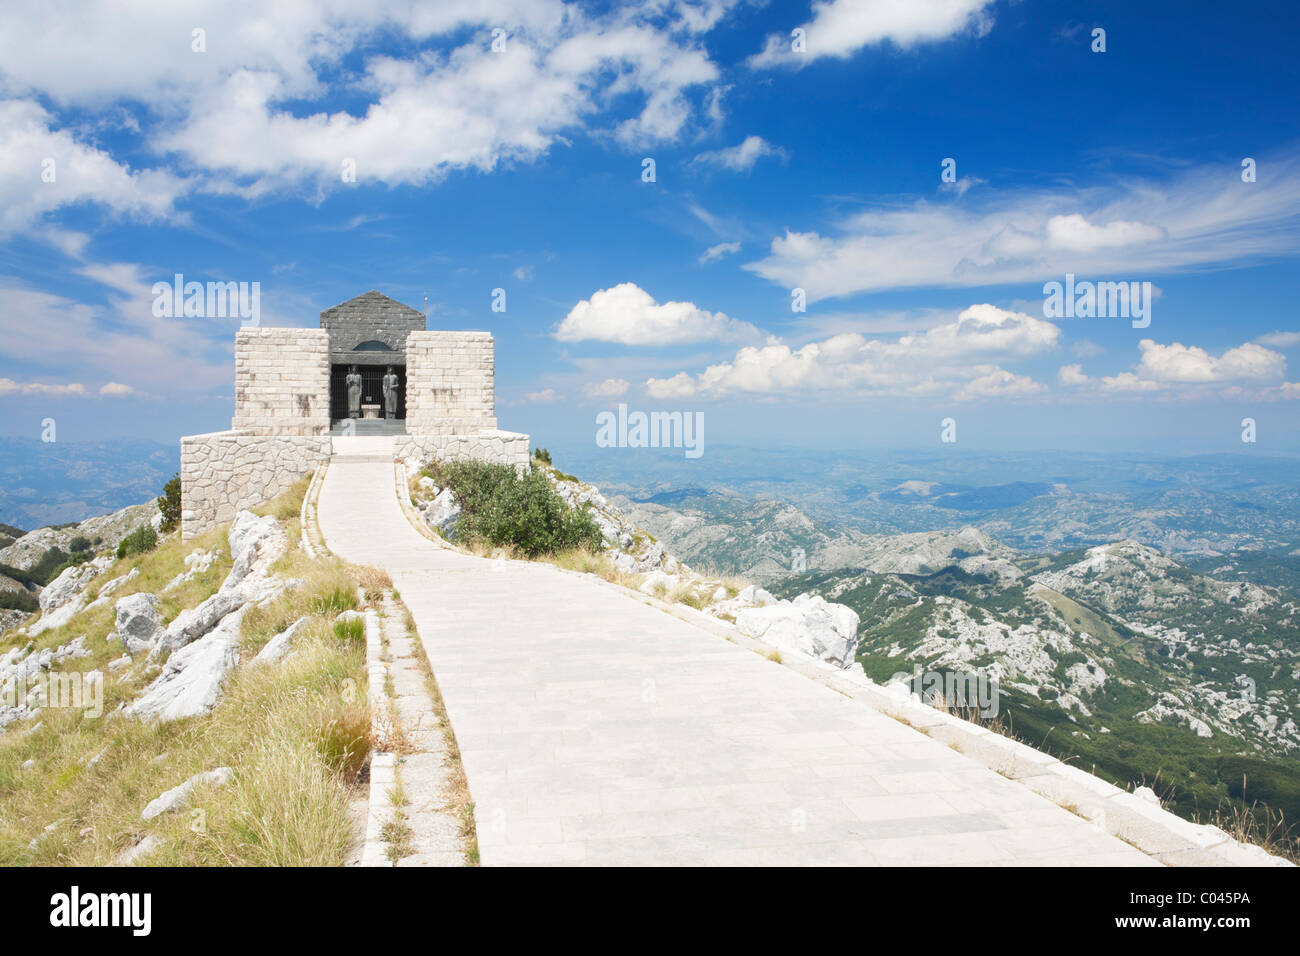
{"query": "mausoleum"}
{"type": "Point", "coordinates": [371, 371]}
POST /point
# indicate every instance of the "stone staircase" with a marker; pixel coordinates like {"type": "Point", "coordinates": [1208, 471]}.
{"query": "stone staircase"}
{"type": "Point", "coordinates": [362, 448]}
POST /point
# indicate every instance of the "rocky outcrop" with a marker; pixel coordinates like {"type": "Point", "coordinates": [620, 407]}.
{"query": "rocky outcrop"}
{"type": "Point", "coordinates": [178, 798]}
{"type": "Point", "coordinates": [26, 551]}
{"type": "Point", "coordinates": [807, 625]}
{"type": "Point", "coordinates": [138, 624]}
{"type": "Point", "coordinates": [442, 512]}
{"type": "Point", "coordinates": [190, 682]}
{"type": "Point", "coordinates": [277, 648]}
{"type": "Point", "coordinates": [65, 597]}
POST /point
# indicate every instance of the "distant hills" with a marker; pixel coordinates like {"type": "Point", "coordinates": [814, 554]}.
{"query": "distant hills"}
{"type": "Point", "coordinates": [43, 484]}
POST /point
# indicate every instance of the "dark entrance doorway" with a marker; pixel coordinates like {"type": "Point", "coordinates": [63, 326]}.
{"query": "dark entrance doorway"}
{"type": "Point", "coordinates": [372, 389]}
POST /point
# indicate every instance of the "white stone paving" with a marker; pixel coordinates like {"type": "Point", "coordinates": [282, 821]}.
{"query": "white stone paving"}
{"type": "Point", "coordinates": [596, 729]}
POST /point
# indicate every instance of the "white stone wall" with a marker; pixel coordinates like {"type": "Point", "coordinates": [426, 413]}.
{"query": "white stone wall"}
{"type": "Point", "coordinates": [282, 381]}
{"type": "Point", "coordinates": [450, 379]}
{"type": "Point", "coordinates": [510, 448]}
{"type": "Point", "coordinates": [223, 472]}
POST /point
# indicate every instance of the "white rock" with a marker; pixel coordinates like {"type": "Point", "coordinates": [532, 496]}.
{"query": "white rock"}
{"type": "Point", "coordinates": [135, 854]}
{"type": "Point", "coordinates": [277, 647]}
{"type": "Point", "coordinates": [177, 798]}
{"type": "Point", "coordinates": [190, 682]}
{"type": "Point", "coordinates": [442, 513]}
{"type": "Point", "coordinates": [755, 595]}
{"type": "Point", "coordinates": [809, 625]}
{"type": "Point", "coordinates": [138, 623]}
{"type": "Point", "coordinates": [1147, 794]}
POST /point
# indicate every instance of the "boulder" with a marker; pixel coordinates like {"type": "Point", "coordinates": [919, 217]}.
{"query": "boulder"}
{"type": "Point", "coordinates": [138, 623]}
{"type": "Point", "coordinates": [443, 512]}
{"type": "Point", "coordinates": [190, 682]}
{"type": "Point", "coordinates": [65, 597]}
{"type": "Point", "coordinates": [193, 623]}
{"type": "Point", "coordinates": [808, 625]}
{"type": "Point", "coordinates": [178, 797]}
{"type": "Point", "coordinates": [278, 647]}
{"type": "Point", "coordinates": [755, 595]}
{"type": "Point", "coordinates": [134, 854]}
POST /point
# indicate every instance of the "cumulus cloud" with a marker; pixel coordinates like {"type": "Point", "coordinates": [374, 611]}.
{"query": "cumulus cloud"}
{"type": "Point", "coordinates": [959, 358]}
{"type": "Point", "coordinates": [839, 28]}
{"type": "Point", "coordinates": [545, 397]}
{"type": "Point", "coordinates": [42, 169]}
{"type": "Point", "coordinates": [610, 388]}
{"type": "Point", "coordinates": [741, 157]}
{"type": "Point", "coordinates": [1200, 217]}
{"type": "Point", "coordinates": [1185, 368]}
{"type": "Point", "coordinates": [628, 315]}
{"type": "Point", "coordinates": [714, 253]}
{"type": "Point", "coordinates": [115, 390]}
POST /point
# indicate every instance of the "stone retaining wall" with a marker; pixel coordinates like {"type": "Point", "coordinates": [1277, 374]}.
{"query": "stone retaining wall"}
{"type": "Point", "coordinates": [282, 381]}
{"type": "Point", "coordinates": [449, 383]}
{"type": "Point", "coordinates": [223, 472]}
{"type": "Point", "coordinates": [510, 448]}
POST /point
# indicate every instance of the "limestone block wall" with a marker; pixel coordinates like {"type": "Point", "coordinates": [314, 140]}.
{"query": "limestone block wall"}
{"type": "Point", "coordinates": [225, 472]}
{"type": "Point", "coordinates": [510, 448]}
{"type": "Point", "coordinates": [450, 380]}
{"type": "Point", "coordinates": [282, 379]}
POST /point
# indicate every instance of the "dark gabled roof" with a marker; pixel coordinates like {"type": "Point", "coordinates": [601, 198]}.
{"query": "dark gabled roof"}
{"type": "Point", "coordinates": [372, 299]}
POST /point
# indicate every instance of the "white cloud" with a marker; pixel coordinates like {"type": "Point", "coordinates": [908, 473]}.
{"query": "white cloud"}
{"type": "Point", "coordinates": [741, 157]}
{"type": "Point", "coordinates": [9, 387]}
{"type": "Point", "coordinates": [545, 397]}
{"type": "Point", "coordinates": [714, 253]}
{"type": "Point", "coordinates": [30, 149]}
{"type": "Point", "coordinates": [959, 358]}
{"type": "Point", "coordinates": [1280, 340]}
{"type": "Point", "coordinates": [610, 388]}
{"type": "Point", "coordinates": [523, 273]}
{"type": "Point", "coordinates": [1183, 364]}
{"type": "Point", "coordinates": [629, 315]}
{"type": "Point", "coordinates": [241, 114]}
{"type": "Point", "coordinates": [115, 390]}
{"type": "Point", "coordinates": [1136, 230]}
{"type": "Point", "coordinates": [998, 383]}
{"type": "Point", "coordinates": [839, 28]}
{"type": "Point", "coordinates": [1077, 234]}
{"type": "Point", "coordinates": [1184, 369]}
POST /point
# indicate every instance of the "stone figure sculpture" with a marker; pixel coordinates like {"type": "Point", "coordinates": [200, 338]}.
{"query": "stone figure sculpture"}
{"type": "Point", "coordinates": [354, 392]}
{"type": "Point", "coordinates": [390, 393]}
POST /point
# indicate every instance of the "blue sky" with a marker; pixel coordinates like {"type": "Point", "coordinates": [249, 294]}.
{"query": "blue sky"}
{"type": "Point", "coordinates": [522, 169]}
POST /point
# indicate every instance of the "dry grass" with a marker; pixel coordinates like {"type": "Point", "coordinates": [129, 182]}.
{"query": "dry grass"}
{"type": "Point", "coordinates": [296, 734]}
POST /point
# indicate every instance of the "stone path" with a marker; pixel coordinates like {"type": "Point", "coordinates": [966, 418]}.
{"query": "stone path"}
{"type": "Point", "coordinates": [595, 729]}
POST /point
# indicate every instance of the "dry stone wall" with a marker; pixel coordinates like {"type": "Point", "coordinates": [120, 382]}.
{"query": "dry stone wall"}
{"type": "Point", "coordinates": [225, 472]}
{"type": "Point", "coordinates": [282, 379]}
{"type": "Point", "coordinates": [509, 448]}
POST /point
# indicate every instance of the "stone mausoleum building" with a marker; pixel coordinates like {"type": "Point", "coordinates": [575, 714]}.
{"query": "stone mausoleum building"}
{"type": "Point", "coordinates": [293, 408]}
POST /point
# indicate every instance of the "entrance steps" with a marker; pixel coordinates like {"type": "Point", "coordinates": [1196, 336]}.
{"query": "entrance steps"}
{"type": "Point", "coordinates": [358, 448]}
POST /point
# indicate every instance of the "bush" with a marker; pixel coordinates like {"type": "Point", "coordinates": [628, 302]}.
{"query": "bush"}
{"type": "Point", "coordinates": [142, 539]}
{"type": "Point", "coordinates": [501, 509]}
{"type": "Point", "coordinates": [542, 455]}
{"type": "Point", "coordinates": [79, 545]}
{"type": "Point", "coordinates": [170, 504]}
{"type": "Point", "coordinates": [18, 601]}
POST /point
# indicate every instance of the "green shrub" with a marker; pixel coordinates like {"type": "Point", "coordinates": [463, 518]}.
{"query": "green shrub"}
{"type": "Point", "coordinates": [542, 455]}
{"type": "Point", "coordinates": [142, 539]}
{"type": "Point", "coordinates": [18, 601]}
{"type": "Point", "coordinates": [502, 509]}
{"type": "Point", "coordinates": [79, 544]}
{"type": "Point", "coordinates": [170, 504]}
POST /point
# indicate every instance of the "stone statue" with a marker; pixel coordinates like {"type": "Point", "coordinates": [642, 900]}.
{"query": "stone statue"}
{"type": "Point", "coordinates": [354, 392]}
{"type": "Point", "coordinates": [390, 393]}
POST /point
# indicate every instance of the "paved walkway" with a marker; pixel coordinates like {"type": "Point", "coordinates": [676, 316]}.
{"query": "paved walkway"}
{"type": "Point", "coordinates": [595, 729]}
